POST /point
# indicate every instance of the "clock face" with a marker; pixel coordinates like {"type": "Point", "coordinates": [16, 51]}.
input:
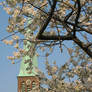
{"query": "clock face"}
{"type": "Point", "coordinates": [28, 82]}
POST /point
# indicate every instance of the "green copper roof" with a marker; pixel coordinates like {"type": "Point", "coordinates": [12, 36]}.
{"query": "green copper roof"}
{"type": "Point", "coordinates": [23, 66]}
{"type": "Point", "coordinates": [23, 71]}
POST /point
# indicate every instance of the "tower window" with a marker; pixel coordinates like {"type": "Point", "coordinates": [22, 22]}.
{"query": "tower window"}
{"type": "Point", "coordinates": [23, 86]}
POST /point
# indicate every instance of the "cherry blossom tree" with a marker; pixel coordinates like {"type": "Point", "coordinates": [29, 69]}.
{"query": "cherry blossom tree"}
{"type": "Point", "coordinates": [53, 24]}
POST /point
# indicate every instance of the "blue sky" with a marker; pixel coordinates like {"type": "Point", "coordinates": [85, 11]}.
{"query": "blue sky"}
{"type": "Point", "coordinates": [9, 72]}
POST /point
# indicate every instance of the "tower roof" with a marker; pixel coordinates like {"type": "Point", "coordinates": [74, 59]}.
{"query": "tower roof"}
{"type": "Point", "coordinates": [23, 67]}
{"type": "Point", "coordinates": [32, 59]}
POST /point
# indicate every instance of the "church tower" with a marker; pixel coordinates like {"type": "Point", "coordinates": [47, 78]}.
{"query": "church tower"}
{"type": "Point", "coordinates": [28, 81]}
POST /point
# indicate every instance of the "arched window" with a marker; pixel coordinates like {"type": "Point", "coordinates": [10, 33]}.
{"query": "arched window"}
{"type": "Point", "coordinates": [34, 84]}
{"type": "Point", "coordinates": [28, 88]}
{"type": "Point", "coordinates": [23, 86]}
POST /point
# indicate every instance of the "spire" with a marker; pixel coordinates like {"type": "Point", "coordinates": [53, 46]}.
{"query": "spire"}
{"type": "Point", "coordinates": [32, 58]}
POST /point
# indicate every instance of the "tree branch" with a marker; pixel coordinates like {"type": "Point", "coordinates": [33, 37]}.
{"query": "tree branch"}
{"type": "Point", "coordinates": [82, 29]}
{"type": "Point", "coordinates": [77, 18]}
{"type": "Point", "coordinates": [83, 46]}
{"type": "Point", "coordinates": [48, 20]}
{"type": "Point", "coordinates": [56, 37]}
{"type": "Point", "coordinates": [49, 2]}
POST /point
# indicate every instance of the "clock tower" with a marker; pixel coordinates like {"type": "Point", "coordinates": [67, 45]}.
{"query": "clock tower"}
{"type": "Point", "coordinates": [28, 76]}
{"type": "Point", "coordinates": [27, 81]}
